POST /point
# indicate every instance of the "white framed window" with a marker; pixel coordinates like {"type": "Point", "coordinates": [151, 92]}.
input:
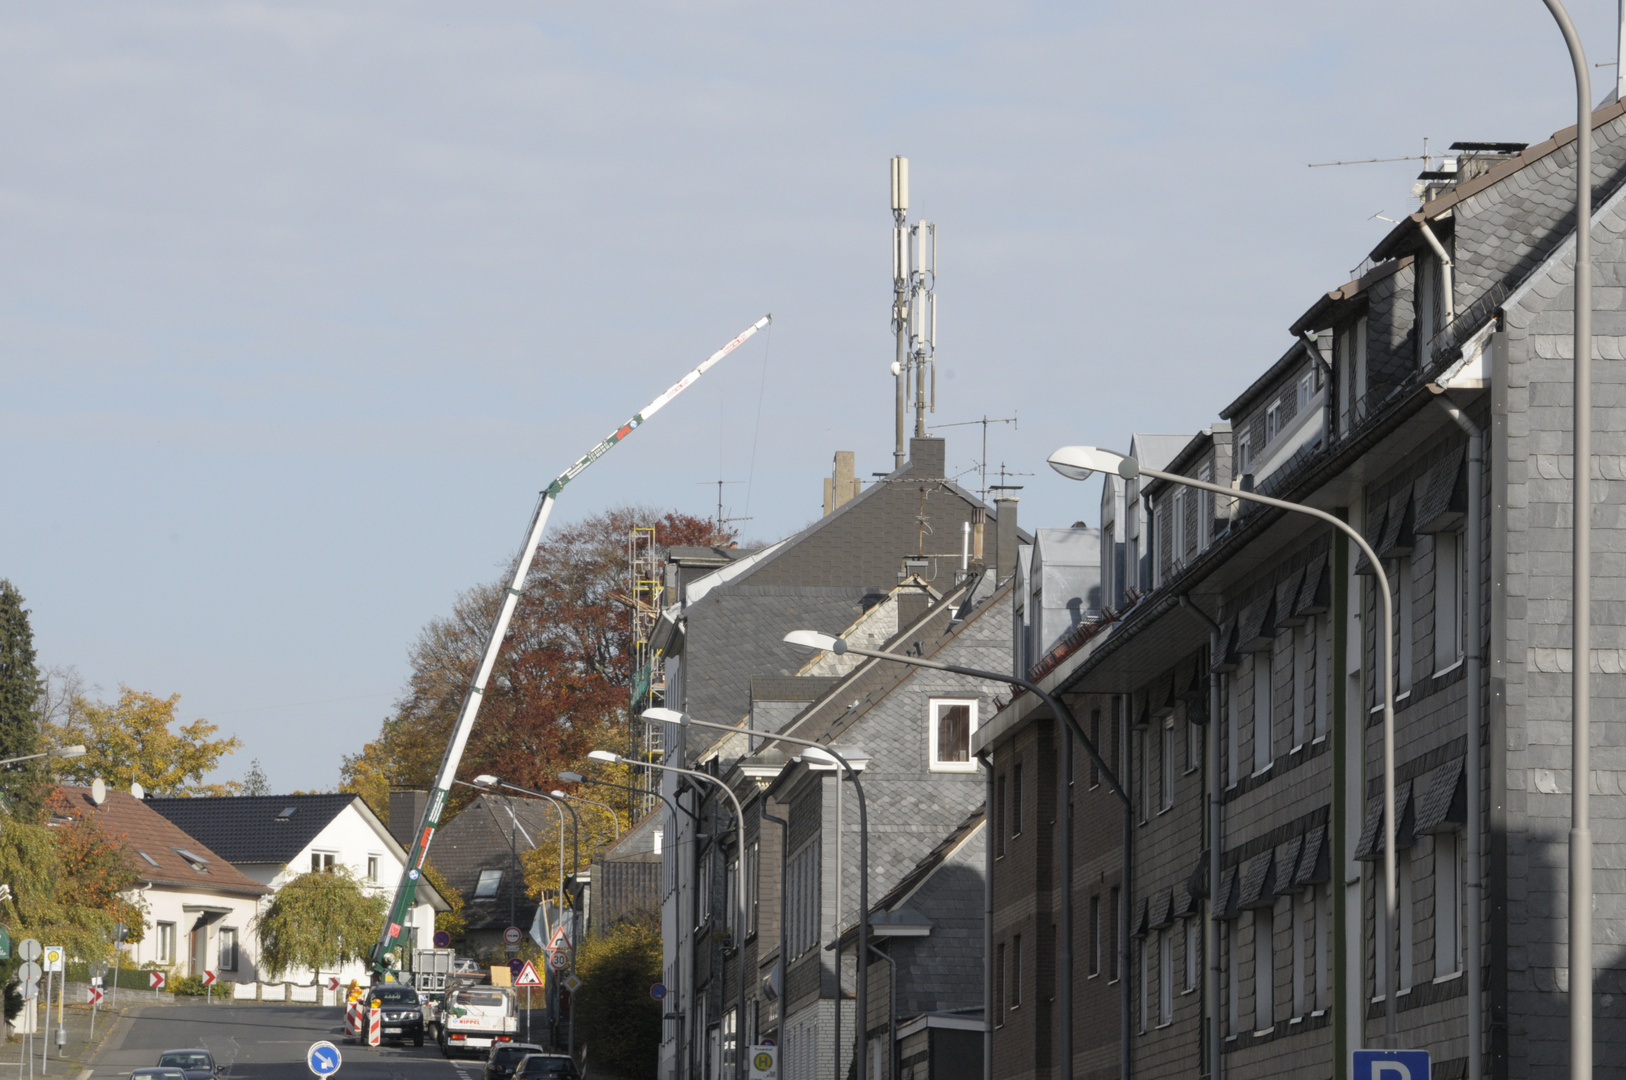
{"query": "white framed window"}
{"type": "Point", "coordinates": [1177, 527]}
{"type": "Point", "coordinates": [1273, 421]}
{"type": "Point", "coordinates": [1404, 631]}
{"type": "Point", "coordinates": [226, 947]}
{"type": "Point", "coordinates": [165, 943]}
{"type": "Point", "coordinates": [1194, 951]}
{"type": "Point", "coordinates": [1449, 600]}
{"type": "Point", "coordinates": [1233, 736]}
{"type": "Point", "coordinates": [731, 896]}
{"type": "Point", "coordinates": [753, 884]}
{"type": "Point", "coordinates": [322, 862]}
{"type": "Point", "coordinates": [1323, 947]}
{"type": "Point", "coordinates": [1358, 369]}
{"type": "Point", "coordinates": [952, 720]}
{"type": "Point", "coordinates": [1244, 454]}
{"type": "Point", "coordinates": [1144, 776]}
{"type": "Point", "coordinates": [1448, 904]}
{"type": "Point", "coordinates": [1205, 507]}
{"type": "Point", "coordinates": [1194, 739]}
{"type": "Point", "coordinates": [1299, 913]}
{"type": "Point", "coordinates": [372, 868]}
{"type": "Point", "coordinates": [1296, 695]}
{"type": "Point", "coordinates": [1262, 756]}
{"type": "Point", "coordinates": [1167, 763]}
{"type": "Point", "coordinates": [486, 887]}
{"type": "Point", "coordinates": [1264, 970]}
{"type": "Point", "coordinates": [1165, 977]}
{"type": "Point", "coordinates": [1323, 669]}
{"type": "Point", "coordinates": [1306, 390]}
{"type": "Point", "coordinates": [802, 910]}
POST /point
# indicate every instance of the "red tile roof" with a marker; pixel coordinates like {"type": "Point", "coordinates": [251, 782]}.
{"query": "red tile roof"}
{"type": "Point", "coordinates": [156, 848]}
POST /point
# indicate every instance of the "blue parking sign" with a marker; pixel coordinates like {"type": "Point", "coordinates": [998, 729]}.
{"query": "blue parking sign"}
{"type": "Point", "coordinates": [1390, 1065]}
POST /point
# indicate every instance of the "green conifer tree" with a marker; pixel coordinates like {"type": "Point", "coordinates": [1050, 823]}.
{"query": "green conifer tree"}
{"type": "Point", "coordinates": [19, 698]}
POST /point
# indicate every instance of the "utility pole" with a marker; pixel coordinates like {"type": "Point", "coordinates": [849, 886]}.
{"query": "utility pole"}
{"type": "Point", "coordinates": [900, 298]}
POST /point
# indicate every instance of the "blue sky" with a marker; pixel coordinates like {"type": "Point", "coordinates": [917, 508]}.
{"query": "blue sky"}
{"type": "Point", "coordinates": [301, 303]}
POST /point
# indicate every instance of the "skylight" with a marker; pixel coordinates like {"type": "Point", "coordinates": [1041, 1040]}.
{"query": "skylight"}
{"type": "Point", "coordinates": [486, 888]}
{"type": "Point", "coordinates": [144, 855]}
{"type": "Point", "coordinates": [287, 812]}
{"type": "Point", "coordinates": [191, 858]}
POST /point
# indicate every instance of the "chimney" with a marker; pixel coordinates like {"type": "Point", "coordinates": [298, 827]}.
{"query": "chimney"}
{"type": "Point", "coordinates": [406, 810]}
{"type": "Point", "coordinates": [1005, 540]}
{"type": "Point", "coordinates": [927, 458]}
{"type": "Point", "coordinates": [841, 487]}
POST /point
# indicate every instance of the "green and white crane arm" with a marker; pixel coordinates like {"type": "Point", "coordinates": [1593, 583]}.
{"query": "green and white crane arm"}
{"type": "Point", "coordinates": [406, 891]}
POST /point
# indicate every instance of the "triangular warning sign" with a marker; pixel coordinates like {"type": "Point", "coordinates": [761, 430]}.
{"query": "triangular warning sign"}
{"type": "Point", "coordinates": [527, 976]}
{"type": "Point", "coordinates": [559, 940]}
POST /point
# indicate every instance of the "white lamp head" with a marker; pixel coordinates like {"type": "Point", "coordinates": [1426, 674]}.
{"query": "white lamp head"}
{"type": "Point", "coordinates": [812, 639]}
{"type": "Point", "coordinates": [1078, 462]}
{"type": "Point", "coordinates": [662, 716]}
{"type": "Point", "coordinates": [558, 794]}
{"type": "Point", "coordinates": [486, 780]}
{"type": "Point", "coordinates": [571, 777]}
{"type": "Point", "coordinates": [76, 750]}
{"type": "Point", "coordinates": [604, 755]}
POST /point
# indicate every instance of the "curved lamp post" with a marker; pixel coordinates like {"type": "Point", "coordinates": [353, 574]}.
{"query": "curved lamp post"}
{"type": "Point", "coordinates": [612, 758]}
{"type": "Point", "coordinates": [830, 757]}
{"type": "Point", "coordinates": [77, 750]}
{"type": "Point", "coordinates": [606, 807]}
{"type": "Point", "coordinates": [577, 778]}
{"type": "Point", "coordinates": [1078, 462]}
{"type": "Point", "coordinates": [812, 639]}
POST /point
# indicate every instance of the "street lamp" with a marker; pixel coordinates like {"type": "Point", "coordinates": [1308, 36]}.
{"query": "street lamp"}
{"type": "Point", "coordinates": [577, 778]}
{"type": "Point", "coordinates": [826, 756]}
{"type": "Point", "coordinates": [77, 750]}
{"type": "Point", "coordinates": [606, 807]}
{"type": "Point", "coordinates": [611, 758]}
{"type": "Point", "coordinates": [1580, 929]}
{"type": "Point", "coordinates": [1078, 462]}
{"type": "Point", "coordinates": [812, 639]}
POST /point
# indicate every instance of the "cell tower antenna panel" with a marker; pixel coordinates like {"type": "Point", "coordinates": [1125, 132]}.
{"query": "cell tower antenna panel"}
{"type": "Point", "coordinates": [400, 910]}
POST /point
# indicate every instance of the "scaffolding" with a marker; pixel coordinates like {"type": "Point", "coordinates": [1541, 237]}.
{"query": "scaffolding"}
{"type": "Point", "coordinates": [645, 588]}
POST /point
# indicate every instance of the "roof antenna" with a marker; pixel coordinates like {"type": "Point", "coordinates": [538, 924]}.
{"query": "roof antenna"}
{"type": "Point", "coordinates": [914, 310]}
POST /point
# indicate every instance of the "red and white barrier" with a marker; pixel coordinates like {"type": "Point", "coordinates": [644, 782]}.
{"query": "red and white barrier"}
{"type": "Point", "coordinates": [352, 1018]}
{"type": "Point", "coordinates": [375, 1027]}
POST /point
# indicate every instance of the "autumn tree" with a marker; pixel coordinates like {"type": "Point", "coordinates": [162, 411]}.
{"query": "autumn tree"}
{"type": "Point", "coordinates": [319, 920]}
{"type": "Point", "coordinates": [131, 741]}
{"type": "Point", "coordinates": [561, 685]}
{"type": "Point", "coordinates": [19, 694]}
{"type": "Point", "coordinates": [615, 1016]}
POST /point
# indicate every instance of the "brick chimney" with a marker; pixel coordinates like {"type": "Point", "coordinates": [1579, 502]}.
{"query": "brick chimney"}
{"type": "Point", "coordinates": [841, 486]}
{"type": "Point", "coordinates": [406, 810]}
{"type": "Point", "coordinates": [1005, 537]}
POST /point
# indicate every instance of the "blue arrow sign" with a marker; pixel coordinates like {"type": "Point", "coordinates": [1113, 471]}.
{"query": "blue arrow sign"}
{"type": "Point", "coordinates": [323, 1058]}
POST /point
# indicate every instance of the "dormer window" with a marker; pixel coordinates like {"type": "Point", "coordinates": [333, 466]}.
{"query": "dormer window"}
{"type": "Point", "coordinates": [1244, 454]}
{"type": "Point", "coordinates": [1306, 390]}
{"type": "Point", "coordinates": [1273, 421]}
{"type": "Point", "coordinates": [1349, 360]}
{"type": "Point", "coordinates": [1429, 321]}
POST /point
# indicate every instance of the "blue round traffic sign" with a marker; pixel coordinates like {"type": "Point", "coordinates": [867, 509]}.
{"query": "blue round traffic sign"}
{"type": "Point", "coordinates": [323, 1058]}
{"type": "Point", "coordinates": [442, 939]}
{"type": "Point", "coordinates": [658, 991]}
{"type": "Point", "coordinates": [515, 966]}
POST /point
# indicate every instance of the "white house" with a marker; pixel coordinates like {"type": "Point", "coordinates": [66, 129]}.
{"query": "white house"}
{"type": "Point", "coordinates": [199, 908]}
{"type": "Point", "coordinates": [275, 838]}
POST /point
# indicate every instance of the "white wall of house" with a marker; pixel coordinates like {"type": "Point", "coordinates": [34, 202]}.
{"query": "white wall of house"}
{"type": "Point", "coordinates": [182, 933]}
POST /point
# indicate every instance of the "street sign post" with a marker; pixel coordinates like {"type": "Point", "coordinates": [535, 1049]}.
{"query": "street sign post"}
{"type": "Point", "coordinates": [443, 939]}
{"type": "Point", "coordinates": [156, 979]}
{"type": "Point", "coordinates": [526, 975]}
{"type": "Point", "coordinates": [1389, 1065]}
{"type": "Point", "coordinates": [511, 936]}
{"type": "Point", "coordinates": [323, 1058]}
{"type": "Point", "coordinates": [515, 965]}
{"type": "Point", "coordinates": [573, 982]}
{"type": "Point", "coordinates": [765, 1062]}
{"type": "Point", "coordinates": [658, 991]}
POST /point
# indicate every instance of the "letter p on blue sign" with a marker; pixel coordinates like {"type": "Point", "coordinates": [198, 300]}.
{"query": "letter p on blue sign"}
{"type": "Point", "coordinates": [1390, 1065]}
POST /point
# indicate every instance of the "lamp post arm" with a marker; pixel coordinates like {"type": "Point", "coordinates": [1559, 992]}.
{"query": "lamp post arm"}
{"type": "Point", "coordinates": [1056, 707]}
{"type": "Point", "coordinates": [607, 808]}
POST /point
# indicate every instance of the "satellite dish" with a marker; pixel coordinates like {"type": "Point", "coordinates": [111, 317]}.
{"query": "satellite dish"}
{"type": "Point", "coordinates": [98, 791]}
{"type": "Point", "coordinates": [138, 791]}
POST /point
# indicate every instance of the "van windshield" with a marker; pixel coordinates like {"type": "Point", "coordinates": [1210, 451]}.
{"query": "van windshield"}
{"type": "Point", "coordinates": [485, 999]}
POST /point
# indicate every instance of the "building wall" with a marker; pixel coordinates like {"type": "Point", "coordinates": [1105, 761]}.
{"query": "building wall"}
{"type": "Point", "coordinates": [167, 905]}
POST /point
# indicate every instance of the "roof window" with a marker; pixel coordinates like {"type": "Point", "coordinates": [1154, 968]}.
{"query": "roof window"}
{"type": "Point", "coordinates": [191, 858]}
{"type": "Point", "coordinates": [144, 855]}
{"type": "Point", "coordinates": [287, 813]}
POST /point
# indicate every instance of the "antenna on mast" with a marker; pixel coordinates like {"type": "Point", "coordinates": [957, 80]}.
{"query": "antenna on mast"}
{"type": "Point", "coordinates": [982, 466]}
{"type": "Point", "coordinates": [721, 519]}
{"type": "Point", "coordinates": [914, 310]}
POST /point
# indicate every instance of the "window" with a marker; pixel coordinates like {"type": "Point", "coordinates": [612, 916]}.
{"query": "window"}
{"type": "Point", "coordinates": [166, 943]}
{"type": "Point", "coordinates": [1403, 876]}
{"type": "Point", "coordinates": [731, 896]}
{"type": "Point", "coordinates": [1001, 978]}
{"type": "Point", "coordinates": [1273, 421]}
{"type": "Point", "coordinates": [227, 948]}
{"type": "Point", "coordinates": [1168, 764]}
{"type": "Point", "coordinates": [1095, 740]}
{"type": "Point", "coordinates": [1115, 913]}
{"type": "Point", "coordinates": [1323, 667]}
{"type": "Point", "coordinates": [952, 722]}
{"type": "Point", "coordinates": [1194, 738]}
{"type": "Point", "coordinates": [1194, 951]}
{"type": "Point", "coordinates": [753, 884]}
{"type": "Point", "coordinates": [1428, 314]}
{"type": "Point", "coordinates": [1244, 454]}
{"type": "Point", "coordinates": [802, 910]}
{"type": "Point", "coordinates": [1261, 712]}
{"type": "Point", "coordinates": [1306, 390]}
{"type": "Point", "coordinates": [1016, 799]}
{"type": "Point", "coordinates": [1298, 913]}
{"type": "Point", "coordinates": [322, 862]}
{"type": "Point", "coordinates": [1264, 970]}
{"type": "Point", "coordinates": [1177, 530]}
{"type": "Point", "coordinates": [1095, 935]}
{"type": "Point", "coordinates": [1448, 904]}
{"type": "Point", "coordinates": [1205, 507]}
{"type": "Point", "coordinates": [1296, 689]}
{"type": "Point", "coordinates": [1449, 599]}
{"type": "Point", "coordinates": [1233, 738]}
{"type": "Point", "coordinates": [372, 868]}
{"type": "Point", "coordinates": [1233, 979]}
{"type": "Point", "coordinates": [1165, 977]}
{"type": "Point", "coordinates": [1323, 947]}
{"type": "Point", "coordinates": [1144, 776]}
{"type": "Point", "coordinates": [1145, 982]}
{"type": "Point", "coordinates": [486, 887]}
{"type": "Point", "coordinates": [1403, 627]}
{"type": "Point", "coordinates": [1117, 737]}
{"type": "Point", "coordinates": [1015, 988]}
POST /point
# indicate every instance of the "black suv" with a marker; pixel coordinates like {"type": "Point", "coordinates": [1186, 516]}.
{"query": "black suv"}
{"type": "Point", "coordinates": [505, 1058]}
{"type": "Point", "coordinates": [400, 1013]}
{"type": "Point", "coordinates": [544, 1066]}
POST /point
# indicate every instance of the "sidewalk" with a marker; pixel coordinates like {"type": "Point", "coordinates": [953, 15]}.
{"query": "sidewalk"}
{"type": "Point", "coordinates": [77, 1052]}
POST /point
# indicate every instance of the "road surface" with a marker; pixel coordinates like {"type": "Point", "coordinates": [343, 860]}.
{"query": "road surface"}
{"type": "Point", "coordinates": [266, 1042]}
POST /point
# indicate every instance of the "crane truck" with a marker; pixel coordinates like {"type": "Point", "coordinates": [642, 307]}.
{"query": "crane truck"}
{"type": "Point", "coordinates": [385, 952]}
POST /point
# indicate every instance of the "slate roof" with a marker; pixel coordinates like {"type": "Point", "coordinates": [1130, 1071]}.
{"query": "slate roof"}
{"type": "Point", "coordinates": [153, 845]}
{"type": "Point", "coordinates": [250, 828]}
{"type": "Point", "coordinates": [478, 839]}
{"type": "Point", "coordinates": [898, 896]}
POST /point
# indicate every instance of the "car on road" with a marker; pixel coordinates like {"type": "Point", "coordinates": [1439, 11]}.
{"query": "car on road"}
{"type": "Point", "coordinates": [157, 1074]}
{"type": "Point", "coordinates": [505, 1059]}
{"type": "Point", "coordinates": [400, 1012]}
{"type": "Point", "coordinates": [196, 1064]}
{"type": "Point", "coordinates": [546, 1067]}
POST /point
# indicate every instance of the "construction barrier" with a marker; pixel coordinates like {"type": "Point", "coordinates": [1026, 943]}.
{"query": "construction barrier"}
{"type": "Point", "coordinates": [375, 1026]}
{"type": "Point", "coordinates": [352, 1018]}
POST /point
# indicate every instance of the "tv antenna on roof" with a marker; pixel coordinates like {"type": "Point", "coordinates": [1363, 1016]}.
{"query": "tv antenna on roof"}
{"type": "Point", "coordinates": [982, 465]}
{"type": "Point", "coordinates": [720, 521]}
